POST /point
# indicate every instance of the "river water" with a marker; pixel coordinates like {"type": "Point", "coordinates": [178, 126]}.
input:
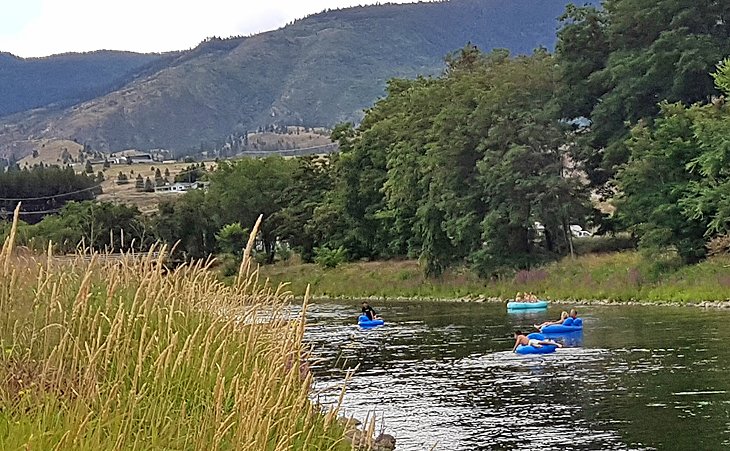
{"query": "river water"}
{"type": "Point", "coordinates": [441, 376]}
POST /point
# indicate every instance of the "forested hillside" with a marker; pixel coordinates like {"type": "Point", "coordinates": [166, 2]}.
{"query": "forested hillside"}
{"type": "Point", "coordinates": [64, 79]}
{"type": "Point", "coordinates": [318, 71]}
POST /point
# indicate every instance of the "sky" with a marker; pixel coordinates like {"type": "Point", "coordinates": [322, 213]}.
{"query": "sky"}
{"type": "Point", "coordinates": [31, 28]}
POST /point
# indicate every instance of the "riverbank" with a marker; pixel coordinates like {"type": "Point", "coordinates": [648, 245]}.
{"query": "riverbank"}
{"type": "Point", "coordinates": [622, 277]}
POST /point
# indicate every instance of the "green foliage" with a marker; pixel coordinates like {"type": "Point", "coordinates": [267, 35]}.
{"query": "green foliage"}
{"type": "Point", "coordinates": [620, 63]}
{"type": "Point", "coordinates": [722, 76]}
{"type": "Point", "coordinates": [190, 223]}
{"type": "Point", "coordinates": [241, 191]}
{"type": "Point", "coordinates": [190, 174]}
{"type": "Point", "coordinates": [604, 244]}
{"type": "Point", "coordinates": [676, 186]}
{"type": "Point", "coordinates": [656, 180]}
{"type": "Point", "coordinates": [232, 239]}
{"type": "Point", "coordinates": [311, 180]}
{"type": "Point", "coordinates": [43, 189]}
{"type": "Point", "coordinates": [457, 168]}
{"type": "Point", "coordinates": [101, 226]}
{"type": "Point", "coordinates": [330, 258]}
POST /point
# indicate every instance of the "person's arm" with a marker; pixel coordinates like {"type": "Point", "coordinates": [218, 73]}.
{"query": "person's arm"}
{"type": "Point", "coordinates": [517, 343]}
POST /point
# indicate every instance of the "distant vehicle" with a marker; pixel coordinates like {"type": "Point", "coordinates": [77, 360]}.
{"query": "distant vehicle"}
{"type": "Point", "coordinates": [578, 232]}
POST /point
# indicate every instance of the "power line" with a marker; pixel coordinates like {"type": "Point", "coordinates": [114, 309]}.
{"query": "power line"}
{"type": "Point", "coordinates": [54, 196]}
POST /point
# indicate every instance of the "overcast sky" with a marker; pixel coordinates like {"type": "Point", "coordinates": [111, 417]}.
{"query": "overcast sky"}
{"type": "Point", "coordinates": [45, 27]}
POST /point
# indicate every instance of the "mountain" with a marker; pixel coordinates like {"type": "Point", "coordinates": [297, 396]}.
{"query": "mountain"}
{"type": "Point", "coordinates": [317, 71]}
{"type": "Point", "coordinates": [67, 79]}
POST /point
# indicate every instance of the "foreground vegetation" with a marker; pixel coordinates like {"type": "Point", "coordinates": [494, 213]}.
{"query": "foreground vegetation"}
{"type": "Point", "coordinates": [620, 276]}
{"type": "Point", "coordinates": [118, 355]}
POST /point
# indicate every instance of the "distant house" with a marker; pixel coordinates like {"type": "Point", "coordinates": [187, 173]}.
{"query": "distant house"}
{"type": "Point", "coordinates": [181, 187]}
{"type": "Point", "coordinates": [132, 157]}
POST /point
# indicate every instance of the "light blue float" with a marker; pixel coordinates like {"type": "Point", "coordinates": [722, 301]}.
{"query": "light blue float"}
{"type": "Point", "coordinates": [513, 305]}
{"type": "Point", "coordinates": [366, 323]}
{"type": "Point", "coordinates": [544, 349]}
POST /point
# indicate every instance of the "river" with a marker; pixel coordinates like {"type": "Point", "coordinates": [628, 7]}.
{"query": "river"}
{"type": "Point", "coordinates": [441, 376]}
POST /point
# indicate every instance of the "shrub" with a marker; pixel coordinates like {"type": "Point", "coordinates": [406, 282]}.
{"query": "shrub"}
{"type": "Point", "coordinates": [603, 244]}
{"type": "Point", "coordinates": [330, 258]}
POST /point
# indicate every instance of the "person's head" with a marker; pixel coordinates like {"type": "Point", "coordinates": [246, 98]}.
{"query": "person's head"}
{"type": "Point", "coordinates": [573, 313]}
{"type": "Point", "coordinates": [365, 304]}
{"type": "Point", "coordinates": [518, 333]}
{"type": "Point", "coordinates": [563, 315]}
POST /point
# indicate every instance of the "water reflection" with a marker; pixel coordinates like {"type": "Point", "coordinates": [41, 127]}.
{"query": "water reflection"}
{"type": "Point", "coordinates": [443, 374]}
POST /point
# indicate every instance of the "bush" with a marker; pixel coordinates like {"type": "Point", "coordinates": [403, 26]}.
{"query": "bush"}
{"type": "Point", "coordinates": [230, 264]}
{"type": "Point", "coordinates": [330, 258]}
{"type": "Point", "coordinates": [603, 244]}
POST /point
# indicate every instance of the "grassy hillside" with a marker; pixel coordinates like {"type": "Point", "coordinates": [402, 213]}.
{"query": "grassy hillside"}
{"type": "Point", "coordinates": [320, 70]}
{"type": "Point", "coordinates": [63, 79]}
{"type": "Point", "coordinates": [624, 276]}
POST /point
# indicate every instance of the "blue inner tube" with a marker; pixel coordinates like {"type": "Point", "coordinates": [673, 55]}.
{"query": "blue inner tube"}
{"type": "Point", "coordinates": [512, 305]}
{"type": "Point", "coordinates": [364, 322]}
{"type": "Point", "coordinates": [569, 325]}
{"type": "Point", "coordinates": [544, 349]}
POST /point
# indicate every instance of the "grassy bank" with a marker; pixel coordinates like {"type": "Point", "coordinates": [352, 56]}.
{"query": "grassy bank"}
{"type": "Point", "coordinates": [117, 355]}
{"type": "Point", "coordinates": [621, 276]}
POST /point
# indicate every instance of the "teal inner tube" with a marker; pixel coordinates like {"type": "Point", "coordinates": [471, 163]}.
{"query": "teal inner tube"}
{"type": "Point", "coordinates": [366, 323]}
{"type": "Point", "coordinates": [512, 305]}
{"type": "Point", "coordinates": [544, 349]}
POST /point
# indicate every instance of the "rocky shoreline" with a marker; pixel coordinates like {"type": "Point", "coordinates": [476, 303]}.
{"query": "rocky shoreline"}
{"type": "Point", "coordinates": [720, 305]}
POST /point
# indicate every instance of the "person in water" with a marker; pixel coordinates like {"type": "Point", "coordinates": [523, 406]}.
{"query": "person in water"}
{"type": "Point", "coordinates": [369, 311]}
{"type": "Point", "coordinates": [521, 339]}
{"type": "Point", "coordinates": [563, 317]}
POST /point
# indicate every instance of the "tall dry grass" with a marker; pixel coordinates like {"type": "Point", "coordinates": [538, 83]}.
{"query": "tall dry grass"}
{"type": "Point", "coordinates": [100, 354]}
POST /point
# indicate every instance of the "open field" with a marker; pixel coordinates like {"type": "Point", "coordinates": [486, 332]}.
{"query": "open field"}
{"type": "Point", "coordinates": [128, 194]}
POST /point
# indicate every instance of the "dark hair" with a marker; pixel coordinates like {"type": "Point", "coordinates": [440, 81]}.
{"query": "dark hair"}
{"type": "Point", "coordinates": [518, 332]}
{"type": "Point", "coordinates": [364, 303]}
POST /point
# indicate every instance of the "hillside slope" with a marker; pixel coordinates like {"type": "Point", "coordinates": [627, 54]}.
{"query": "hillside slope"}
{"type": "Point", "coordinates": [63, 79]}
{"type": "Point", "coordinates": [320, 70]}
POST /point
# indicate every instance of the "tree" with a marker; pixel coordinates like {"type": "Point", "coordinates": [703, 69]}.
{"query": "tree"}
{"type": "Point", "coordinates": [191, 222]}
{"type": "Point", "coordinates": [312, 179]}
{"type": "Point", "coordinates": [232, 239]}
{"type": "Point", "coordinates": [139, 183]}
{"type": "Point", "coordinates": [245, 189]}
{"type": "Point", "coordinates": [675, 189]}
{"type": "Point", "coordinates": [619, 64]}
{"type": "Point", "coordinates": [457, 169]}
{"type": "Point", "coordinates": [655, 180]}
